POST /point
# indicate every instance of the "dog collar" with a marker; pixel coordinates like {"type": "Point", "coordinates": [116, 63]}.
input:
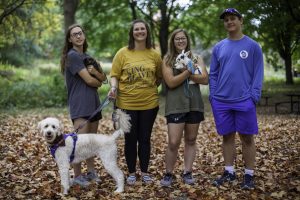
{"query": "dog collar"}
{"type": "Point", "coordinates": [60, 141]}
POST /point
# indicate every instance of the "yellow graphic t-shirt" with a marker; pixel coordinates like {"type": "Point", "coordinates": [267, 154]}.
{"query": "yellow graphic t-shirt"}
{"type": "Point", "coordinates": [137, 72]}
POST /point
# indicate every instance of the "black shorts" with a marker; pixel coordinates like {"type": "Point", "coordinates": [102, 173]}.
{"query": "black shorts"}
{"type": "Point", "coordinates": [193, 117]}
{"type": "Point", "coordinates": [97, 117]}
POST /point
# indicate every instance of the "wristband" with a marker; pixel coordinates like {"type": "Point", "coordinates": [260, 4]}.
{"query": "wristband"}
{"type": "Point", "coordinates": [114, 88]}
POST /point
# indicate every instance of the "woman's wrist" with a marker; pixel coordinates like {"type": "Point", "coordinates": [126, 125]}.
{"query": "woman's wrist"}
{"type": "Point", "coordinates": [189, 72]}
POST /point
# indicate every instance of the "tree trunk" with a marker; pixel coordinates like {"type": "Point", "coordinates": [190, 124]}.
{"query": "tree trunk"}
{"type": "Point", "coordinates": [285, 51]}
{"type": "Point", "coordinates": [164, 28]}
{"type": "Point", "coordinates": [288, 70]}
{"type": "Point", "coordinates": [132, 4]}
{"type": "Point", "coordinates": [70, 7]}
{"type": "Point", "coordinates": [163, 34]}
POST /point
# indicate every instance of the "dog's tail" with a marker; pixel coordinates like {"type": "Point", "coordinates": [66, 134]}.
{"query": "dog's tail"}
{"type": "Point", "coordinates": [123, 123]}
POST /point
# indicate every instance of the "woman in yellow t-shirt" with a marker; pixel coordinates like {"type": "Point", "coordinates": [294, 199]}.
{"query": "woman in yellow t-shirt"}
{"type": "Point", "coordinates": [135, 76]}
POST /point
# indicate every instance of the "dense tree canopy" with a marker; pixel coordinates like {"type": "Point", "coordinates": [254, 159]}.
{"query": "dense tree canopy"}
{"type": "Point", "coordinates": [37, 26]}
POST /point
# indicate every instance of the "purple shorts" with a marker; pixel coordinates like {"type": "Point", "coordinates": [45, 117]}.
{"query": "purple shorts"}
{"type": "Point", "coordinates": [235, 117]}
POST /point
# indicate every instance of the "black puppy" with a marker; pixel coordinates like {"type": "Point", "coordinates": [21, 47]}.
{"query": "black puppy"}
{"type": "Point", "coordinates": [91, 61]}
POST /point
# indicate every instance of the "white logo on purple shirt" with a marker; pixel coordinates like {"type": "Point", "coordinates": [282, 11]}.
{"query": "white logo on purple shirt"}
{"type": "Point", "coordinates": [244, 54]}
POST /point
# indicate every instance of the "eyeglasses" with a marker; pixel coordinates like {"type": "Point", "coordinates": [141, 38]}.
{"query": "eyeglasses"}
{"type": "Point", "coordinates": [75, 35]}
{"type": "Point", "coordinates": [178, 39]}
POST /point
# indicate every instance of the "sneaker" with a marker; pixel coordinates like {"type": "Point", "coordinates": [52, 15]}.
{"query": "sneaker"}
{"type": "Point", "coordinates": [92, 176]}
{"type": "Point", "coordinates": [80, 180]}
{"type": "Point", "coordinates": [131, 179]}
{"type": "Point", "coordinates": [167, 180]}
{"type": "Point", "coordinates": [248, 182]}
{"type": "Point", "coordinates": [226, 177]}
{"type": "Point", "coordinates": [188, 178]}
{"type": "Point", "coordinates": [147, 179]}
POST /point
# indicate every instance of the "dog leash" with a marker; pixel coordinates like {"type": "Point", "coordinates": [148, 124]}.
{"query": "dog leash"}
{"type": "Point", "coordinates": [187, 92]}
{"type": "Point", "coordinates": [106, 101]}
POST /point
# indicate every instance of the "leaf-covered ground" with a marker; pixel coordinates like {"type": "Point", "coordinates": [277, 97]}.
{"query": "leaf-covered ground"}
{"type": "Point", "coordinates": [27, 170]}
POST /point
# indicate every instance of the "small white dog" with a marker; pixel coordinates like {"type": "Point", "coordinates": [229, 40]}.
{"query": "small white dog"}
{"type": "Point", "coordinates": [182, 61]}
{"type": "Point", "coordinates": [86, 146]}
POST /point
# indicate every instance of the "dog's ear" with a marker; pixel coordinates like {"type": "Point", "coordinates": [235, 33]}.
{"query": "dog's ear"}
{"type": "Point", "coordinates": [39, 126]}
{"type": "Point", "coordinates": [182, 51]}
{"type": "Point", "coordinates": [187, 53]}
{"type": "Point", "coordinates": [60, 127]}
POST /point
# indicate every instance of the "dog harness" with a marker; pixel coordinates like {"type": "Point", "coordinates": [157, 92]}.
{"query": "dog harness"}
{"type": "Point", "coordinates": [60, 143]}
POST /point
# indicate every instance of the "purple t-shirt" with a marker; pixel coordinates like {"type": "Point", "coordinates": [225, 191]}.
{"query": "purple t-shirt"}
{"type": "Point", "coordinates": [236, 70]}
{"type": "Point", "coordinates": [83, 99]}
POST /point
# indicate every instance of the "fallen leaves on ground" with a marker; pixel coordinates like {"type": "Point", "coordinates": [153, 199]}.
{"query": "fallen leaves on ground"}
{"type": "Point", "coordinates": [28, 171]}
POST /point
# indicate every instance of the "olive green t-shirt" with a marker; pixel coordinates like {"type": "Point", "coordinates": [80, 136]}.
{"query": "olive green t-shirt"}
{"type": "Point", "coordinates": [137, 72]}
{"type": "Point", "coordinates": [184, 98]}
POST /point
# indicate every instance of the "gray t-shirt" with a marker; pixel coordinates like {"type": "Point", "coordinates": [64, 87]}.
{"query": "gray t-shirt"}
{"type": "Point", "coordinates": [83, 99]}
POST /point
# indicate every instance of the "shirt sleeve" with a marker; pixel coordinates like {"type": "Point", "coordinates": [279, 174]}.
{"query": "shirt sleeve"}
{"type": "Point", "coordinates": [258, 74]}
{"type": "Point", "coordinates": [116, 65]}
{"type": "Point", "coordinates": [213, 73]}
{"type": "Point", "coordinates": [75, 63]}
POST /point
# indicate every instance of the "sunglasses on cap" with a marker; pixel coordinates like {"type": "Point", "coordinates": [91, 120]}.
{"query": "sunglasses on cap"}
{"type": "Point", "coordinates": [232, 11]}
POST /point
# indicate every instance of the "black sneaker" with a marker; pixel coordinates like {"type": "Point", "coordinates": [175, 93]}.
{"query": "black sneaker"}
{"type": "Point", "coordinates": [248, 182]}
{"type": "Point", "coordinates": [226, 177]}
{"type": "Point", "coordinates": [188, 178]}
{"type": "Point", "coordinates": [167, 180]}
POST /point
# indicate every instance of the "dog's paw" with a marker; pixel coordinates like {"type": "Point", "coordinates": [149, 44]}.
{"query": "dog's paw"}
{"type": "Point", "coordinates": [64, 192]}
{"type": "Point", "coordinates": [119, 190]}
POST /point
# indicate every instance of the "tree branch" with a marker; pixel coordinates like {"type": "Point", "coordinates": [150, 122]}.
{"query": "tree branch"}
{"type": "Point", "coordinates": [10, 9]}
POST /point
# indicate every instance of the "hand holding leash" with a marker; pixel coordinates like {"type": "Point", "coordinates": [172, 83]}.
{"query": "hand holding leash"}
{"type": "Point", "coordinates": [112, 94]}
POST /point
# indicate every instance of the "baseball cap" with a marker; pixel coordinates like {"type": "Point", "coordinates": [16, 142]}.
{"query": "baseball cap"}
{"type": "Point", "coordinates": [232, 11]}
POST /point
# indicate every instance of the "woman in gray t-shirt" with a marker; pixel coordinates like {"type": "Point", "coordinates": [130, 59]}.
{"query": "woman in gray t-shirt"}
{"type": "Point", "coordinates": [82, 83]}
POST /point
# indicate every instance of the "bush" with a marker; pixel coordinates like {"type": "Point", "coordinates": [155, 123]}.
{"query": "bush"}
{"type": "Point", "coordinates": [35, 88]}
{"type": "Point", "coordinates": [26, 94]}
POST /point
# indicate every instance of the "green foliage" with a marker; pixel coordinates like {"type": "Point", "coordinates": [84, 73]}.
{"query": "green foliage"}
{"type": "Point", "coordinates": [25, 90]}
{"type": "Point", "coordinates": [38, 87]}
{"type": "Point", "coordinates": [109, 30]}
{"type": "Point", "coordinates": [33, 30]}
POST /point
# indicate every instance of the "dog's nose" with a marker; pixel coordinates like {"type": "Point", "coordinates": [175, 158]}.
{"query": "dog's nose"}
{"type": "Point", "coordinates": [48, 133]}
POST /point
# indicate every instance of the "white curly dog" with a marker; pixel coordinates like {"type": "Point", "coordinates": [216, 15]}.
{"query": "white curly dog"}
{"type": "Point", "coordinates": [86, 146]}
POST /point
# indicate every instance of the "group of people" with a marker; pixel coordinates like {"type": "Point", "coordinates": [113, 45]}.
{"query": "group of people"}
{"type": "Point", "coordinates": [235, 83]}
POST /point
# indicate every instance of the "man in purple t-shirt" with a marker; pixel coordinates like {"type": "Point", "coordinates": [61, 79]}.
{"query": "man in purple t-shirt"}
{"type": "Point", "coordinates": [235, 83]}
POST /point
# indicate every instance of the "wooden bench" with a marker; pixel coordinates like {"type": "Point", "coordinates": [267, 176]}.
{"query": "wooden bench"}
{"type": "Point", "coordinates": [266, 99]}
{"type": "Point", "coordinates": [291, 103]}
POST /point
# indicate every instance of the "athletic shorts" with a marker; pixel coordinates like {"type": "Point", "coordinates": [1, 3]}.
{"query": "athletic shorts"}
{"type": "Point", "coordinates": [97, 117]}
{"type": "Point", "coordinates": [193, 117]}
{"type": "Point", "coordinates": [235, 117]}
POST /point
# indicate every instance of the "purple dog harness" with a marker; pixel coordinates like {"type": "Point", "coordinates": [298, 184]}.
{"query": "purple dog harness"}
{"type": "Point", "coordinates": [61, 142]}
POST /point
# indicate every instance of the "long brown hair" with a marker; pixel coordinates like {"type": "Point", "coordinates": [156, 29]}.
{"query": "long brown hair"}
{"type": "Point", "coordinates": [172, 52]}
{"type": "Point", "coordinates": [68, 45]}
{"type": "Point", "coordinates": [131, 45]}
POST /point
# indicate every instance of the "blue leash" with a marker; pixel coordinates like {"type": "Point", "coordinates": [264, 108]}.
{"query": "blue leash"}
{"type": "Point", "coordinates": [106, 101]}
{"type": "Point", "coordinates": [188, 93]}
